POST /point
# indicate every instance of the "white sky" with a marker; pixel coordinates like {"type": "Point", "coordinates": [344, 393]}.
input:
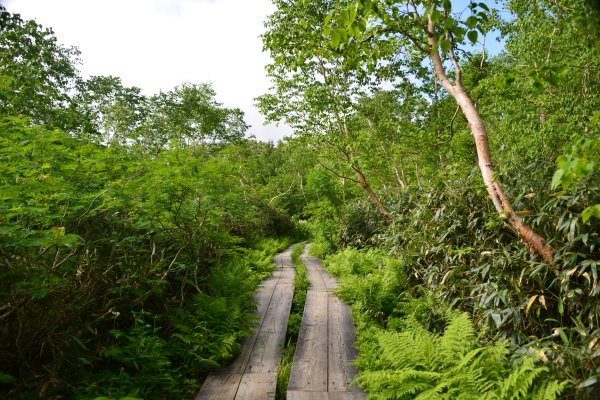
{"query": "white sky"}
{"type": "Point", "coordinates": [158, 44]}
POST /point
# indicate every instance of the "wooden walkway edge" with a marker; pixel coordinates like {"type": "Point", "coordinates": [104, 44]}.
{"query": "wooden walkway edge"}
{"type": "Point", "coordinates": [322, 368]}
{"type": "Point", "coordinates": [252, 375]}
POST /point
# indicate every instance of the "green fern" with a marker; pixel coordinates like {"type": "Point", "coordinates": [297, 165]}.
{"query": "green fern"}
{"type": "Point", "coordinates": [417, 364]}
{"type": "Point", "coordinates": [458, 338]}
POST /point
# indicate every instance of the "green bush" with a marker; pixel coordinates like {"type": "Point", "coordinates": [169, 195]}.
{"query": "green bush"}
{"type": "Point", "coordinates": [418, 364]}
{"type": "Point", "coordinates": [121, 275]}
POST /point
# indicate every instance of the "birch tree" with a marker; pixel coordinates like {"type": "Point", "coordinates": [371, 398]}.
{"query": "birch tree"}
{"type": "Point", "coordinates": [402, 35]}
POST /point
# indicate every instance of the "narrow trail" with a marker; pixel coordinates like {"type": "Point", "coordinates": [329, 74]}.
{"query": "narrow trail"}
{"type": "Point", "coordinates": [252, 374]}
{"type": "Point", "coordinates": [322, 368]}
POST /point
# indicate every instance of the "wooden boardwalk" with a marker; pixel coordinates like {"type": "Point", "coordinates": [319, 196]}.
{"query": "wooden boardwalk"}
{"type": "Point", "coordinates": [322, 367]}
{"type": "Point", "coordinates": [252, 374]}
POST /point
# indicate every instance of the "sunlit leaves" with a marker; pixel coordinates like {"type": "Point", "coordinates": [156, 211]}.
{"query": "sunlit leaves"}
{"type": "Point", "coordinates": [37, 73]}
{"type": "Point", "coordinates": [576, 165]}
{"type": "Point", "coordinates": [592, 211]}
{"type": "Point", "coordinates": [472, 35]}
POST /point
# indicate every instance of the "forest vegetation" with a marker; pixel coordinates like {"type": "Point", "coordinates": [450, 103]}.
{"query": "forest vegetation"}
{"type": "Point", "coordinates": [453, 190]}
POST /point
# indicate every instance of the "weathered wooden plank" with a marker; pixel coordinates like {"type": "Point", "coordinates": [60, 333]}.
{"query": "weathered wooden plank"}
{"type": "Point", "coordinates": [313, 274]}
{"type": "Point", "coordinates": [252, 374]}
{"type": "Point", "coordinates": [330, 282]}
{"type": "Point", "coordinates": [341, 351]}
{"type": "Point", "coordinates": [300, 395]}
{"type": "Point", "coordinates": [338, 339]}
{"type": "Point", "coordinates": [266, 354]}
{"type": "Point", "coordinates": [318, 277]}
{"type": "Point", "coordinates": [259, 386]}
{"type": "Point", "coordinates": [309, 368]}
{"type": "Point", "coordinates": [220, 387]}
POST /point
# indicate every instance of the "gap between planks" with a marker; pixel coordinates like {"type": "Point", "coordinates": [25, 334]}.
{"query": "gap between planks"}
{"type": "Point", "coordinates": [252, 375]}
{"type": "Point", "coordinates": [322, 366]}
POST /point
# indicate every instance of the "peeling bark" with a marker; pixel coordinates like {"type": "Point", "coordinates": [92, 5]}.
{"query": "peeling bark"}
{"type": "Point", "coordinates": [362, 181]}
{"type": "Point", "coordinates": [494, 188]}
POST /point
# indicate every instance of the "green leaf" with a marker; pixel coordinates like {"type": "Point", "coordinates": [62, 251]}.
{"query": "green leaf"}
{"type": "Point", "coordinates": [335, 38]}
{"type": "Point", "coordinates": [595, 117]}
{"type": "Point", "coordinates": [445, 45]}
{"type": "Point", "coordinates": [471, 22]}
{"type": "Point", "coordinates": [472, 35]}
{"type": "Point", "coordinates": [561, 306]}
{"type": "Point", "coordinates": [557, 178]}
{"type": "Point", "coordinates": [447, 4]}
{"type": "Point", "coordinates": [327, 19]}
{"type": "Point", "coordinates": [344, 18]}
{"type": "Point", "coordinates": [484, 6]}
{"type": "Point", "coordinates": [591, 211]}
{"type": "Point", "coordinates": [6, 378]}
{"type": "Point", "coordinates": [351, 15]}
{"type": "Point", "coordinates": [362, 24]}
{"type": "Point", "coordinates": [563, 336]}
{"type": "Point", "coordinates": [448, 23]}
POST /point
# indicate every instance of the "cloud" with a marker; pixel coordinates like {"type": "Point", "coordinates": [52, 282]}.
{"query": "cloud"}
{"type": "Point", "coordinates": [162, 43]}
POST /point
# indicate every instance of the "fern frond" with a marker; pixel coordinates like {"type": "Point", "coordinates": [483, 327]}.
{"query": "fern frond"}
{"type": "Point", "coordinates": [470, 359]}
{"type": "Point", "coordinates": [398, 385]}
{"type": "Point", "coordinates": [549, 390]}
{"type": "Point", "coordinates": [408, 350]}
{"type": "Point", "coordinates": [445, 389]}
{"type": "Point", "coordinates": [458, 338]}
{"type": "Point", "coordinates": [519, 382]}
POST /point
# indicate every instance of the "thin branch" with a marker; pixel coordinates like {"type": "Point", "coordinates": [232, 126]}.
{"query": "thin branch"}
{"type": "Point", "coordinates": [172, 262]}
{"type": "Point", "coordinates": [57, 263]}
{"type": "Point", "coordinates": [451, 129]}
{"type": "Point", "coordinates": [335, 173]}
{"type": "Point", "coordinates": [283, 193]}
{"type": "Point", "coordinates": [417, 14]}
{"type": "Point", "coordinates": [482, 56]}
{"type": "Point", "coordinates": [92, 203]}
{"type": "Point", "coordinates": [457, 69]}
{"type": "Point", "coordinates": [550, 45]}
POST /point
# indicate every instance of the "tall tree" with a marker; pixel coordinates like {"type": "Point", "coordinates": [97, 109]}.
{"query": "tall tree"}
{"type": "Point", "coordinates": [402, 34]}
{"type": "Point", "coordinates": [37, 74]}
{"type": "Point", "coordinates": [189, 114]}
{"type": "Point", "coordinates": [109, 111]}
{"type": "Point", "coordinates": [315, 90]}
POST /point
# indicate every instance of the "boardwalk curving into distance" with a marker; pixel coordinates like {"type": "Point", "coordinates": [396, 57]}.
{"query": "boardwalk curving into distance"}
{"type": "Point", "coordinates": [322, 367]}
{"type": "Point", "coordinates": [252, 374]}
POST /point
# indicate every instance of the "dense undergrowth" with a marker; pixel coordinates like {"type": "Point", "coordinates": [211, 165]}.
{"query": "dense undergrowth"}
{"type": "Point", "coordinates": [412, 345]}
{"type": "Point", "coordinates": [122, 275]}
{"type": "Point", "coordinates": [447, 254]}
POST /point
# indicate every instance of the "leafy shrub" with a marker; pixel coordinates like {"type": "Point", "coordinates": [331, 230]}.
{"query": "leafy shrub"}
{"type": "Point", "coordinates": [120, 275]}
{"type": "Point", "coordinates": [370, 279]}
{"type": "Point", "coordinates": [418, 364]}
